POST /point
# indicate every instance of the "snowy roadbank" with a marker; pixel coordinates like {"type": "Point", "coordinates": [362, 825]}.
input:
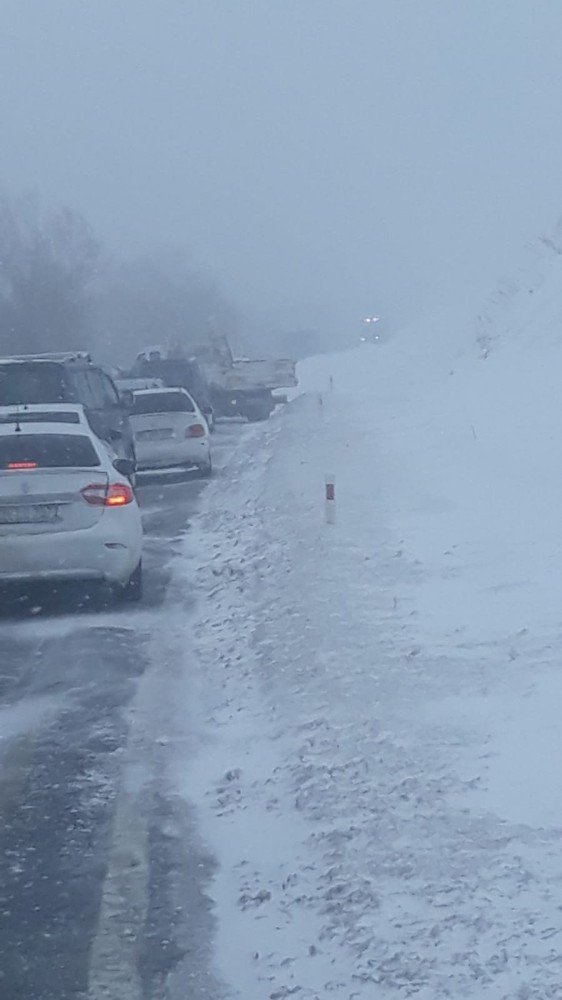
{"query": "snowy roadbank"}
{"type": "Point", "coordinates": [379, 828]}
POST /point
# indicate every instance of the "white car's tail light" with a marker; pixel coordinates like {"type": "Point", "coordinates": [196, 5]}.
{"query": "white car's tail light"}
{"type": "Point", "coordinates": [119, 494]}
{"type": "Point", "coordinates": [195, 431]}
{"type": "Point", "coordinates": [114, 495]}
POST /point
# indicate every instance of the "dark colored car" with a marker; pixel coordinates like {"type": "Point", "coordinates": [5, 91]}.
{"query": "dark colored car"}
{"type": "Point", "coordinates": [69, 378]}
{"type": "Point", "coordinates": [186, 374]}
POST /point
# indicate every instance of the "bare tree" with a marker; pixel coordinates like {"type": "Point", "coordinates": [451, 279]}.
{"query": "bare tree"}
{"type": "Point", "coordinates": [46, 266]}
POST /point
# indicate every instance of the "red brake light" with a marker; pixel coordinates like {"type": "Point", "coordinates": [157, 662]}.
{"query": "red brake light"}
{"type": "Point", "coordinates": [21, 465]}
{"type": "Point", "coordinates": [195, 431]}
{"type": "Point", "coordinates": [119, 494]}
{"type": "Point", "coordinates": [114, 495]}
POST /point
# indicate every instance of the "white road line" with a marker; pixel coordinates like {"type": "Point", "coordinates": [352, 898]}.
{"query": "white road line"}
{"type": "Point", "coordinates": [115, 950]}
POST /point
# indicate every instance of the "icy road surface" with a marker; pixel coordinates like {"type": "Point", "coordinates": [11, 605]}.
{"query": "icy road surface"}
{"type": "Point", "coordinates": [93, 845]}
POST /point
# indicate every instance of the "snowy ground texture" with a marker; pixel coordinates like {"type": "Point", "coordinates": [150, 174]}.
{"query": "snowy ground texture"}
{"type": "Point", "coordinates": [379, 700]}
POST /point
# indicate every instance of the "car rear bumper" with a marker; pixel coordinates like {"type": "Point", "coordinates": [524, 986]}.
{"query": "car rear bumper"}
{"type": "Point", "coordinates": [157, 456]}
{"type": "Point", "coordinates": [94, 554]}
{"type": "Point", "coordinates": [53, 575]}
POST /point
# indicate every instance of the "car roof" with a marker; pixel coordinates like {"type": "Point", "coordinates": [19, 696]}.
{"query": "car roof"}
{"type": "Point", "coordinates": [57, 358]}
{"type": "Point", "coordinates": [144, 359]}
{"type": "Point", "coordinates": [17, 408]}
{"type": "Point", "coordinates": [157, 391]}
{"type": "Point", "coordinates": [44, 413]}
{"type": "Point", "coordinates": [79, 430]}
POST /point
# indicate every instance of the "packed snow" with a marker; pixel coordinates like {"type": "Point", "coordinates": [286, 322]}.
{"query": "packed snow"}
{"type": "Point", "coordinates": [377, 701]}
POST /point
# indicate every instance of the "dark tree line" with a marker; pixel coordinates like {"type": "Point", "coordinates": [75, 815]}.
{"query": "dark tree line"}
{"type": "Point", "coordinates": [47, 264]}
{"type": "Point", "coordinates": [58, 292]}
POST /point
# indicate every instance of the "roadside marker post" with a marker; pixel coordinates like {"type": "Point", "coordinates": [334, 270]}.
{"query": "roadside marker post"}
{"type": "Point", "coordinates": [330, 499]}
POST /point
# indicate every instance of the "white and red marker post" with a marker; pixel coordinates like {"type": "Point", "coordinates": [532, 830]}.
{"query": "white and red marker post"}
{"type": "Point", "coordinates": [330, 499]}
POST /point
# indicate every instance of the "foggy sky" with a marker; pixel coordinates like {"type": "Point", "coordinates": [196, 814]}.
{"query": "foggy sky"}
{"type": "Point", "coordinates": [325, 158]}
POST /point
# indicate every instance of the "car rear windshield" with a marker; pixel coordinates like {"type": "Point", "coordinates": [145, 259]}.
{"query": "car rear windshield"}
{"type": "Point", "coordinates": [47, 451]}
{"type": "Point", "coordinates": [162, 402]}
{"type": "Point", "coordinates": [31, 382]}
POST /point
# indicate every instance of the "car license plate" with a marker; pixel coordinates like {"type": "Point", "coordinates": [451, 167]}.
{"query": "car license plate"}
{"type": "Point", "coordinates": [155, 435]}
{"type": "Point", "coordinates": [45, 513]}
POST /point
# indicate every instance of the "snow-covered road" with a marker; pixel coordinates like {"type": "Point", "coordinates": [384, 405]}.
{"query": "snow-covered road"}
{"type": "Point", "coordinates": [334, 767]}
{"type": "Point", "coordinates": [377, 701]}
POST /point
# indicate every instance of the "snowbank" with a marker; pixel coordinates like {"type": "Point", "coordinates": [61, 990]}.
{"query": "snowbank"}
{"type": "Point", "coordinates": [379, 698]}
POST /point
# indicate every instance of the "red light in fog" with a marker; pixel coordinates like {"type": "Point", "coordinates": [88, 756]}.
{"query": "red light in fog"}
{"type": "Point", "coordinates": [21, 465]}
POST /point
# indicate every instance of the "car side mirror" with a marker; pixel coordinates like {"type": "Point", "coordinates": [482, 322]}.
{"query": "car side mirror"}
{"type": "Point", "coordinates": [124, 466]}
{"type": "Point", "coordinates": [127, 400]}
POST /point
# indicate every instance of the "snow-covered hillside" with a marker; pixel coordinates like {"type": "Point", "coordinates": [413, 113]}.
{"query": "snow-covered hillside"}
{"type": "Point", "coordinates": [378, 699]}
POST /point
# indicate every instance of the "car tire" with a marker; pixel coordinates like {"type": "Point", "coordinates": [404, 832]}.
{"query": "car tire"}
{"type": "Point", "coordinates": [259, 409]}
{"type": "Point", "coordinates": [206, 471]}
{"type": "Point", "coordinates": [132, 590]}
{"type": "Point", "coordinates": [257, 416]}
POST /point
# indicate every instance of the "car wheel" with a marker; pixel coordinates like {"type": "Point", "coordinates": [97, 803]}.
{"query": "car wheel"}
{"type": "Point", "coordinates": [206, 471]}
{"type": "Point", "coordinates": [256, 416]}
{"type": "Point", "coordinates": [257, 411]}
{"type": "Point", "coordinates": [132, 590]}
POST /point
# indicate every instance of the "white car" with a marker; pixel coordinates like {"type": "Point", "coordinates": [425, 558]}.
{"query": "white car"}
{"type": "Point", "coordinates": [67, 508]}
{"type": "Point", "coordinates": [169, 431]}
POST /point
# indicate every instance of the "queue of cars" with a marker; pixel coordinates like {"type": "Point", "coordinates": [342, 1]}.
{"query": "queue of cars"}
{"type": "Point", "coordinates": [72, 443]}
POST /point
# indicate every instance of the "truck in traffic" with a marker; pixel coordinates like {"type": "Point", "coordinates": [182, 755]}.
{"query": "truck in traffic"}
{"type": "Point", "coordinates": [242, 387]}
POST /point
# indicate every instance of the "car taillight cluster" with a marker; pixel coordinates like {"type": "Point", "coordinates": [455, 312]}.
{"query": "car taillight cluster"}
{"type": "Point", "coordinates": [114, 495]}
{"type": "Point", "coordinates": [195, 431]}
